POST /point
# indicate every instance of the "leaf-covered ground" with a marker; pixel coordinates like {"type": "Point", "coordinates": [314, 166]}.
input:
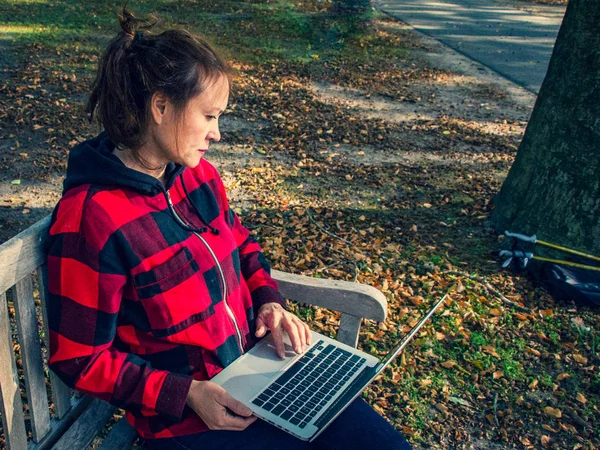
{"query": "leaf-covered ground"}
{"type": "Point", "coordinates": [350, 156]}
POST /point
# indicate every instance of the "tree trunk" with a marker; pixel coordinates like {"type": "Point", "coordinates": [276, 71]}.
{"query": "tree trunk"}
{"type": "Point", "coordinates": [553, 187]}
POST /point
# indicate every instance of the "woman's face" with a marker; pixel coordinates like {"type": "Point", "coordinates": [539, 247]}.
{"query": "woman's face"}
{"type": "Point", "coordinates": [185, 140]}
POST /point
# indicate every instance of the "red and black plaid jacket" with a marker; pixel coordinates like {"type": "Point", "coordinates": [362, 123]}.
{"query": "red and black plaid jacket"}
{"type": "Point", "coordinates": [150, 286]}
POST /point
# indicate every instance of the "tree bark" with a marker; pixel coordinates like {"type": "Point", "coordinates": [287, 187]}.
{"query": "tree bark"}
{"type": "Point", "coordinates": [553, 187]}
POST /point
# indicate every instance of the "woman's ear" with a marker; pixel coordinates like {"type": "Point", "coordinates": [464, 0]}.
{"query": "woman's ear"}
{"type": "Point", "coordinates": [158, 107]}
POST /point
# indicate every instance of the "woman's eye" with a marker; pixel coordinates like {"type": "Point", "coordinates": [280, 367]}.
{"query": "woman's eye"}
{"type": "Point", "coordinates": [212, 117]}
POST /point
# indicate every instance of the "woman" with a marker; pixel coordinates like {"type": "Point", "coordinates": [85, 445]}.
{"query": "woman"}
{"type": "Point", "coordinates": [155, 285]}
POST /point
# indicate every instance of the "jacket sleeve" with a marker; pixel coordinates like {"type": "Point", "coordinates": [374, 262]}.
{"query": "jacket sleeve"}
{"type": "Point", "coordinates": [85, 282]}
{"type": "Point", "coordinates": [253, 265]}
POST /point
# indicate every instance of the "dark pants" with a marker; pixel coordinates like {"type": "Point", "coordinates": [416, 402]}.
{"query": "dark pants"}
{"type": "Point", "coordinates": [358, 427]}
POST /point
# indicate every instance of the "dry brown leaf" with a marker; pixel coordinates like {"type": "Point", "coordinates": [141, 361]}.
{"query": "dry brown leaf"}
{"type": "Point", "coordinates": [545, 440]}
{"type": "Point", "coordinates": [580, 324]}
{"type": "Point", "coordinates": [580, 359]}
{"type": "Point", "coordinates": [491, 351]}
{"type": "Point", "coordinates": [495, 312]}
{"type": "Point", "coordinates": [533, 351]}
{"type": "Point", "coordinates": [416, 300]}
{"type": "Point", "coordinates": [497, 375]}
{"type": "Point", "coordinates": [581, 398]}
{"type": "Point", "coordinates": [533, 384]}
{"type": "Point", "coordinates": [524, 440]}
{"type": "Point", "coordinates": [553, 412]}
{"type": "Point", "coordinates": [562, 376]}
{"type": "Point", "coordinates": [442, 408]}
{"type": "Point", "coordinates": [448, 364]}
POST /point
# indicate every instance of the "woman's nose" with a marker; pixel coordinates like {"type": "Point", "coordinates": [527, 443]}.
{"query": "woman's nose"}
{"type": "Point", "coordinates": [215, 134]}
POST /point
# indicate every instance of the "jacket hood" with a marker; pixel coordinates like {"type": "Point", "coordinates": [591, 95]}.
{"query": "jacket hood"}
{"type": "Point", "coordinates": [92, 162]}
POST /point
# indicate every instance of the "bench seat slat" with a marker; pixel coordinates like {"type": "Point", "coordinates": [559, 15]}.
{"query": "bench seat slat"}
{"type": "Point", "coordinates": [87, 426]}
{"type": "Point", "coordinates": [61, 393]}
{"type": "Point", "coordinates": [119, 437]}
{"type": "Point", "coordinates": [31, 355]}
{"type": "Point", "coordinates": [58, 427]}
{"type": "Point", "coordinates": [11, 406]}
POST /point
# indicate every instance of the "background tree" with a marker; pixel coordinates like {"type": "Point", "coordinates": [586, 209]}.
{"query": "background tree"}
{"type": "Point", "coordinates": [553, 187]}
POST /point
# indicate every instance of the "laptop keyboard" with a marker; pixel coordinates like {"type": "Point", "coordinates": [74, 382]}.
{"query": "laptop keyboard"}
{"type": "Point", "coordinates": [304, 389]}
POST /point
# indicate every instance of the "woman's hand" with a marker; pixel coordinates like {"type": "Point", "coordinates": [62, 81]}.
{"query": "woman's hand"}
{"type": "Point", "coordinates": [272, 316]}
{"type": "Point", "coordinates": [218, 409]}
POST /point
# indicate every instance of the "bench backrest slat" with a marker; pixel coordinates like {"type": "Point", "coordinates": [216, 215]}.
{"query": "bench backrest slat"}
{"type": "Point", "coordinates": [11, 406]}
{"type": "Point", "coordinates": [61, 393]}
{"type": "Point", "coordinates": [22, 255]}
{"type": "Point", "coordinates": [31, 355]}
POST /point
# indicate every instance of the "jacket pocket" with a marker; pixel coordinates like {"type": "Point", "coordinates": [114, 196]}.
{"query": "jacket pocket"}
{"type": "Point", "coordinates": [165, 276]}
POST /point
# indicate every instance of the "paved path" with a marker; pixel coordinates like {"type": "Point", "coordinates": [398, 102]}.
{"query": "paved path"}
{"type": "Point", "coordinates": [513, 38]}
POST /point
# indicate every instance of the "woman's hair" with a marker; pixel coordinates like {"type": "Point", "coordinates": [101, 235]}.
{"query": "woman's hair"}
{"type": "Point", "coordinates": [136, 64]}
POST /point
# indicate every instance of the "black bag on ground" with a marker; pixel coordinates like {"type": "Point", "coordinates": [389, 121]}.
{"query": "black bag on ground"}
{"type": "Point", "coordinates": [571, 283]}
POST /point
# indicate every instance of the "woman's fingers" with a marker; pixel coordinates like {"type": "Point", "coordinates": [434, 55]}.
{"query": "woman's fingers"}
{"type": "Point", "coordinates": [305, 330]}
{"type": "Point", "coordinates": [236, 415]}
{"type": "Point", "coordinates": [292, 330]}
{"type": "Point", "coordinates": [278, 320]}
{"type": "Point", "coordinates": [277, 332]}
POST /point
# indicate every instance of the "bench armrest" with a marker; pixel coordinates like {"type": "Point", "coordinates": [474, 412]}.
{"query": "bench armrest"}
{"type": "Point", "coordinates": [354, 300]}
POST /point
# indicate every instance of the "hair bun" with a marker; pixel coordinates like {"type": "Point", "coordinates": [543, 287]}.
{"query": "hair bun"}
{"type": "Point", "coordinates": [131, 25]}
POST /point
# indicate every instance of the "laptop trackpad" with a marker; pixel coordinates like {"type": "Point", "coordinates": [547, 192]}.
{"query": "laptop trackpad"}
{"type": "Point", "coordinates": [263, 357]}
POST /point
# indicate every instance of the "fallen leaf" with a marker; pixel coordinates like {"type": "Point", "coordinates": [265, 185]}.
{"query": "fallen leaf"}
{"type": "Point", "coordinates": [580, 359]}
{"type": "Point", "coordinates": [562, 376]}
{"type": "Point", "coordinates": [449, 364]}
{"type": "Point", "coordinates": [580, 324]}
{"type": "Point", "coordinates": [497, 375]}
{"type": "Point", "coordinates": [459, 401]}
{"type": "Point", "coordinates": [491, 351]}
{"type": "Point", "coordinates": [553, 412]}
{"type": "Point", "coordinates": [545, 440]}
{"type": "Point", "coordinates": [581, 399]}
{"type": "Point", "coordinates": [441, 407]}
{"type": "Point", "coordinates": [17, 182]}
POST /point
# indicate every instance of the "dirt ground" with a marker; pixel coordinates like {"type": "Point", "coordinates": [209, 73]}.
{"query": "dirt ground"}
{"type": "Point", "coordinates": [463, 91]}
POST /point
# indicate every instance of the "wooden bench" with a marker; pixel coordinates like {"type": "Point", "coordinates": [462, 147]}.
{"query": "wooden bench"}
{"type": "Point", "coordinates": [78, 418]}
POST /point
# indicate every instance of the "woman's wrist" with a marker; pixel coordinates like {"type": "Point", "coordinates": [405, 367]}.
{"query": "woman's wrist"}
{"type": "Point", "coordinates": [193, 387]}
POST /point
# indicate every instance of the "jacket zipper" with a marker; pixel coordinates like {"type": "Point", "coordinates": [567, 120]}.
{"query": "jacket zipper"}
{"type": "Point", "coordinates": [220, 269]}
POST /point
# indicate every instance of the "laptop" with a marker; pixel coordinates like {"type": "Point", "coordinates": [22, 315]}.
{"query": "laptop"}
{"type": "Point", "coordinates": [304, 393]}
